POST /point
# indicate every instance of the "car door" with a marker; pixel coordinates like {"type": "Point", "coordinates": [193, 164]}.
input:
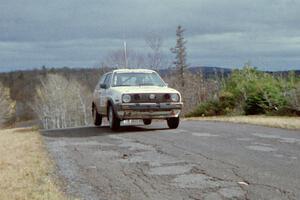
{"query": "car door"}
{"type": "Point", "coordinates": [103, 93]}
{"type": "Point", "coordinates": [97, 91]}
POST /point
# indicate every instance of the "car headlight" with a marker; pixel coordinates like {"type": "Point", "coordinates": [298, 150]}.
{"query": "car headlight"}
{"type": "Point", "coordinates": [126, 98]}
{"type": "Point", "coordinates": [175, 97]}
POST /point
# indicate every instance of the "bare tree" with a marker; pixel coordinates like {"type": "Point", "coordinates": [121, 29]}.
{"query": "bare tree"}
{"type": "Point", "coordinates": [81, 107]}
{"type": "Point", "coordinates": [293, 98]}
{"type": "Point", "coordinates": [115, 59]}
{"type": "Point", "coordinates": [61, 103]}
{"type": "Point", "coordinates": [155, 58]}
{"type": "Point", "coordinates": [197, 89]}
{"type": "Point", "coordinates": [7, 105]}
{"type": "Point", "coordinates": [180, 54]}
{"type": "Point", "coordinates": [135, 59]}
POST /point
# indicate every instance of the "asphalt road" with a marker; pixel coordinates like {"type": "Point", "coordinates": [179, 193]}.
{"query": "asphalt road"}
{"type": "Point", "coordinates": [199, 160]}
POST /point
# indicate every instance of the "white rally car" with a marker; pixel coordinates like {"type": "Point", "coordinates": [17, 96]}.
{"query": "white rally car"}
{"type": "Point", "coordinates": [135, 94]}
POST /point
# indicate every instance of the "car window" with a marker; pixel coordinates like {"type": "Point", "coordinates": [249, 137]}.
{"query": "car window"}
{"type": "Point", "coordinates": [107, 80]}
{"type": "Point", "coordinates": [101, 81]}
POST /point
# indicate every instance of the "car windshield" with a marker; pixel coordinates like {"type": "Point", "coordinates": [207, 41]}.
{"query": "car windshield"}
{"type": "Point", "coordinates": [137, 79]}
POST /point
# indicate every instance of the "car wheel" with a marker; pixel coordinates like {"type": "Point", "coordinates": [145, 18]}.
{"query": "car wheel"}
{"type": "Point", "coordinates": [114, 121]}
{"type": "Point", "coordinates": [97, 118]}
{"type": "Point", "coordinates": [173, 122]}
{"type": "Point", "coordinates": [147, 121]}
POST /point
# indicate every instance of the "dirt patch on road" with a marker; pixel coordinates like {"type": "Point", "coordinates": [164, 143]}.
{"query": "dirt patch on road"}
{"type": "Point", "coordinates": [120, 167]}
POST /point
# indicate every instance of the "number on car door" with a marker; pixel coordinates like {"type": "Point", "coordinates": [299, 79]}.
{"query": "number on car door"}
{"type": "Point", "coordinates": [103, 93]}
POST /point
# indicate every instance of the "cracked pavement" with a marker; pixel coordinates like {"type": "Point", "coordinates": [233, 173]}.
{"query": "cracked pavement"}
{"type": "Point", "coordinates": [199, 160]}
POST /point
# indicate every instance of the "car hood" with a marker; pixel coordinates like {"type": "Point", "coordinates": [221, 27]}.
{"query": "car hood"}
{"type": "Point", "coordinates": [144, 89]}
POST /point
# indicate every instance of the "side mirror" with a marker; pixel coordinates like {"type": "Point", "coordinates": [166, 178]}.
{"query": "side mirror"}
{"type": "Point", "coordinates": [103, 86]}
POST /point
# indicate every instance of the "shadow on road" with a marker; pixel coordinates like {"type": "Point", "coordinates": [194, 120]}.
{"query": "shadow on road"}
{"type": "Point", "coordinates": [95, 131]}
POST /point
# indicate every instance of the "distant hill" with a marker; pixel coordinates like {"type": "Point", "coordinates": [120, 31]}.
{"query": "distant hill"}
{"type": "Point", "coordinates": [206, 71]}
{"type": "Point", "coordinates": [210, 72]}
{"type": "Point", "coordinates": [283, 73]}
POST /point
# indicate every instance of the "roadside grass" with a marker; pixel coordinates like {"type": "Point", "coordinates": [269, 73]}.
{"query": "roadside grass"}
{"type": "Point", "coordinates": [25, 168]}
{"type": "Point", "coordinates": [271, 121]}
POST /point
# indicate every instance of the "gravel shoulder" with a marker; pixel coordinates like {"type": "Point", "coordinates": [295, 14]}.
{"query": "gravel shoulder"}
{"type": "Point", "coordinates": [292, 123]}
{"type": "Point", "coordinates": [25, 168]}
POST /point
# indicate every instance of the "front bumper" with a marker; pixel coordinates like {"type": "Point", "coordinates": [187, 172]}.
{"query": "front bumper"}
{"type": "Point", "coordinates": [148, 110]}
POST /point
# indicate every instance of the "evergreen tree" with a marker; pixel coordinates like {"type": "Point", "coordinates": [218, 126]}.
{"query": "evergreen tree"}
{"type": "Point", "coordinates": [180, 54]}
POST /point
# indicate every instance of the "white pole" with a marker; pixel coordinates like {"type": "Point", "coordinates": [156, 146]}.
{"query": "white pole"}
{"type": "Point", "coordinates": [125, 55]}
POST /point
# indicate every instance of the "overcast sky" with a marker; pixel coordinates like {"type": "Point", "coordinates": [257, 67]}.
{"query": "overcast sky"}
{"type": "Point", "coordinates": [80, 33]}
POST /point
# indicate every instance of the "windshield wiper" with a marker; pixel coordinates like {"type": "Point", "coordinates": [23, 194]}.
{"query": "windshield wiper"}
{"type": "Point", "coordinates": [145, 84]}
{"type": "Point", "coordinates": [122, 85]}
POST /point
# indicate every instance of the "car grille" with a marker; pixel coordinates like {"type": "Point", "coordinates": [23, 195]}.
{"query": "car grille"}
{"type": "Point", "coordinates": [145, 98]}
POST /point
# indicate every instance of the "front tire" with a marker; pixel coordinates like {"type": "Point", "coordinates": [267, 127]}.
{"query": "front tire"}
{"type": "Point", "coordinates": [97, 118]}
{"type": "Point", "coordinates": [147, 121]}
{"type": "Point", "coordinates": [114, 121]}
{"type": "Point", "coordinates": [173, 122]}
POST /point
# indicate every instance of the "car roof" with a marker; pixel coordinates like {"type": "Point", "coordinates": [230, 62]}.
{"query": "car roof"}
{"type": "Point", "coordinates": [133, 71]}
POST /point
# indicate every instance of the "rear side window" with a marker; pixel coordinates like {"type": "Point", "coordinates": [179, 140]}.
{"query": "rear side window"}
{"type": "Point", "coordinates": [107, 80]}
{"type": "Point", "coordinates": [101, 81]}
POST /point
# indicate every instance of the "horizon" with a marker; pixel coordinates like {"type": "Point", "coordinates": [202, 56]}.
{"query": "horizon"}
{"type": "Point", "coordinates": [8, 70]}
